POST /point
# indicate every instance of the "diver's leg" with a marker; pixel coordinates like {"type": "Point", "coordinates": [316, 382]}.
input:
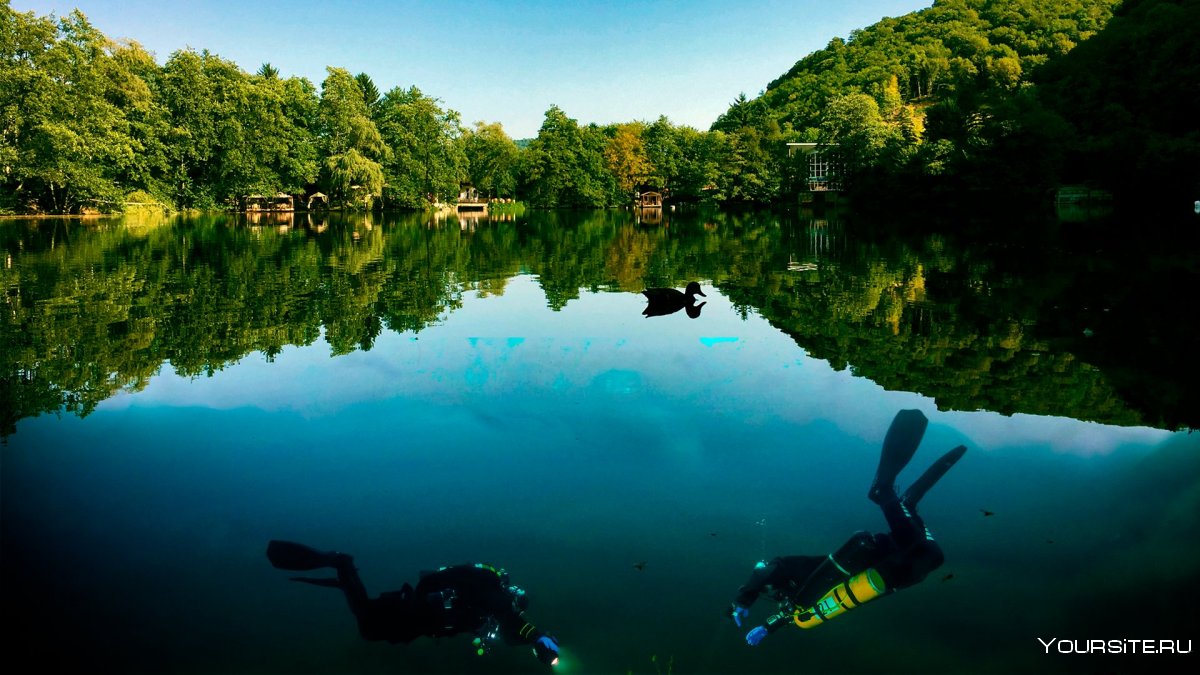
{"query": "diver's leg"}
{"type": "Point", "coordinates": [351, 585]}
{"type": "Point", "coordinates": [899, 445]}
{"type": "Point", "coordinates": [911, 565]}
{"type": "Point", "coordinates": [392, 616]}
{"type": "Point", "coordinates": [289, 555]}
{"type": "Point", "coordinates": [924, 558]}
{"type": "Point", "coordinates": [916, 553]}
{"type": "Point", "coordinates": [389, 617]}
{"type": "Point", "coordinates": [907, 527]}
{"type": "Point", "coordinates": [912, 496]}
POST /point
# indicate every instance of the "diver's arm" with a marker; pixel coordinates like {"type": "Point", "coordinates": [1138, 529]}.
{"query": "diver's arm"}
{"type": "Point", "coordinates": [780, 573]}
{"type": "Point", "coordinates": [774, 574]}
{"type": "Point", "coordinates": [516, 631]}
{"type": "Point", "coordinates": [545, 647]}
{"type": "Point", "coordinates": [764, 574]}
{"type": "Point", "coordinates": [773, 623]}
{"type": "Point", "coordinates": [778, 620]}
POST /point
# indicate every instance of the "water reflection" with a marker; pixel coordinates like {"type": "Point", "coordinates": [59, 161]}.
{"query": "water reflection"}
{"type": "Point", "coordinates": [470, 220]}
{"type": "Point", "coordinates": [97, 307]}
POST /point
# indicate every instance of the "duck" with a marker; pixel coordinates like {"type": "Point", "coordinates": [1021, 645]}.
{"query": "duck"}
{"type": "Point", "coordinates": [663, 301]}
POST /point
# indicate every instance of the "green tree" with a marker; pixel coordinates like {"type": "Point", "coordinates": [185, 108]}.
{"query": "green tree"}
{"type": "Point", "coordinates": [66, 139]}
{"type": "Point", "coordinates": [752, 167]}
{"type": "Point", "coordinates": [1130, 100]}
{"type": "Point", "coordinates": [564, 165]}
{"type": "Point", "coordinates": [702, 156]}
{"type": "Point", "coordinates": [492, 159]}
{"type": "Point", "coordinates": [625, 157]}
{"type": "Point", "coordinates": [281, 133]}
{"type": "Point", "coordinates": [212, 140]}
{"type": "Point", "coordinates": [742, 112]}
{"type": "Point", "coordinates": [229, 134]}
{"type": "Point", "coordinates": [369, 90]}
{"type": "Point", "coordinates": [855, 126]}
{"type": "Point", "coordinates": [352, 170]}
{"type": "Point", "coordinates": [136, 75]}
{"type": "Point", "coordinates": [663, 149]}
{"type": "Point", "coordinates": [427, 158]}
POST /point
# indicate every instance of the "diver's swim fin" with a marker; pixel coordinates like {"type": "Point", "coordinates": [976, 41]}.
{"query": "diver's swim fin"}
{"type": "Point", "coordinates": [914, 493]}
{"type": "Point", "coordinates": [328, 583]}
{"type": "Point", "coordinates": [899, 446]}
{"type": "Point", "coordinates": [288, 555]}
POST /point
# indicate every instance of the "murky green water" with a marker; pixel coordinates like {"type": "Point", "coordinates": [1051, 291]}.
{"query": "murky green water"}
{"type": "Point", "coordinates": [420, 393]}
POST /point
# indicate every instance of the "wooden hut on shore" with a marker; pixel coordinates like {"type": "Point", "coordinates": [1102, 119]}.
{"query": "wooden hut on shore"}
{"type": "Point", "coordinates": [277, 202]}
{"type": "Point", "coordinates": [318, 198]}
{"type": "Point", "coordinates": [469, 199]}
{"type": "Point", "coordinates": [649, 199]}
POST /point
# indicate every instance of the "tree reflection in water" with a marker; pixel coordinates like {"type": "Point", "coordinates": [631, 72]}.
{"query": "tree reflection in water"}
{"type": "Point", "coordinates": [1039, 327]}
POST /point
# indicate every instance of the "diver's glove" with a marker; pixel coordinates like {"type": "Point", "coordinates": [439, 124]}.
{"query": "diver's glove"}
{"type": "Point", "coordinates": [545, 649]}
{"type": "Point", "coordinates": [756, 635]}
{"type": "Point", "coordinates": [738, 613]}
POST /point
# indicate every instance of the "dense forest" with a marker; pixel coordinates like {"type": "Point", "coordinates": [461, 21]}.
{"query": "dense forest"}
{"type": "Point", "coordinates": [993, 96]}
{"type": "Point", "coordinates": [1013, 97]}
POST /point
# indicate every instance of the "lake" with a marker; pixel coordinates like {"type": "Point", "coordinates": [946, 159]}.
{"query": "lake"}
{"type": "Point", "coordinates": [421, 392]}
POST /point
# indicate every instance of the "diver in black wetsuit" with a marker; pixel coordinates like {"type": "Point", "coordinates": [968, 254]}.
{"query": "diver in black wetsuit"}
{"type": "Point", "coordinates": [813, 589]}
{"type": "Point", "coordinates": [474, 598]}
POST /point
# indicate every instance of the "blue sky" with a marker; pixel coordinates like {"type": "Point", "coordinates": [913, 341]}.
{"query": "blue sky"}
{"type": "Point", "coordinates": [508, 61]}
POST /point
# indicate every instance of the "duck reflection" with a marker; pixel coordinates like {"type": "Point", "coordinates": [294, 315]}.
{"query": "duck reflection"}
{"type": "Point", "coordinates": [663, 301]}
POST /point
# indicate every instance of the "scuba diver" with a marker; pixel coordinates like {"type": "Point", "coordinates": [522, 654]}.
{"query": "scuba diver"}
{"type": "Point", "coordinates": [474, 598]}
{"type": "Point", "coordinates": [664, 301]}
{"type": "Point", "coordinates": [811, 590]}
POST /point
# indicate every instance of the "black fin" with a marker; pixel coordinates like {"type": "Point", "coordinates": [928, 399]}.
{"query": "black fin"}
{"type": "Point", "coordinates": [899, 446]}
{"type": "Point", "coordinates": [288, 555]}
{"type": "Point", "coordinates": [328, 583]}
{"type": "Point", "coordinates": [914, 493]}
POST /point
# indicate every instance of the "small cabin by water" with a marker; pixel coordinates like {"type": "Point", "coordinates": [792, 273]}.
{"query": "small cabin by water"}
{"type": "Point", "coordinates": [821, 178]}
{"type": "Point", "coordinates": [318, 198]}
{"type": "Point", "coordinates": [649, 199]}
{"type": "Point", "coordinates": [278, 202]}
{"type": "Point", "coordinates": [469, 199]}
{"type": "Point", "coordinates": [822, 173]}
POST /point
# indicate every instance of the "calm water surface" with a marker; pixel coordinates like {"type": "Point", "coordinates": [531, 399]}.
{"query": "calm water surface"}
{"type": "Point", "coordinates": [425, 393]}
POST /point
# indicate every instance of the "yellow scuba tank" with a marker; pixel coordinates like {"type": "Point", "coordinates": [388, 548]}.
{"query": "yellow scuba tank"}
{"type": "Point", "coordinates": [851, 593]}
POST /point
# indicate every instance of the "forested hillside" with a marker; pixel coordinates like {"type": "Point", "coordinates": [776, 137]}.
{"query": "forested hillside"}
{"type": "Point", "coordinates": [1131, 97]}
{"type": "Point", "coordinates": [1005, 96]}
